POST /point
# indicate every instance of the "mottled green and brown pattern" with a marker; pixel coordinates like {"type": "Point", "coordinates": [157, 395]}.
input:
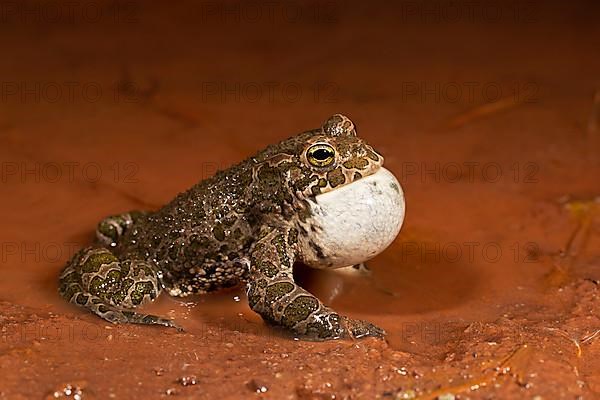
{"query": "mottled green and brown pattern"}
{"type": "Point", "coordinates": [97, 280]}
{"type": "Point", "coordinates": [241, 225]}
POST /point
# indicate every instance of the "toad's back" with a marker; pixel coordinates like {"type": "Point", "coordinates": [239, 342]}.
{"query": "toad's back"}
{"type": "Point", "coordinates": [200, 240]}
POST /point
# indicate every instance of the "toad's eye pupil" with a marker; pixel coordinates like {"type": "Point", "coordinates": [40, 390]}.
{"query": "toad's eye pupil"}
{"type": "Point", "coordinates": [322, 154]}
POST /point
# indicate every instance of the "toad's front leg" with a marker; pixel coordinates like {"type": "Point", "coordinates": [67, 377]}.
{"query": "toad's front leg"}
{"type": "Point", "coordinates": [273, 294]}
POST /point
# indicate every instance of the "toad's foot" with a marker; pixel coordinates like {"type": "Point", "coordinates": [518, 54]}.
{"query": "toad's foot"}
{"type": "Point", "coordinates": [273, 294]}
{"type": "Point", "coordinates": [358, 329]}
{"type": "Point", "coordinates": [97, 280]}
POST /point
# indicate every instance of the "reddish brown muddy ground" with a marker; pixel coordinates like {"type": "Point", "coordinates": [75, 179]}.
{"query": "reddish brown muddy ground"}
{"type": "Point", "coordinates": [486, 114]}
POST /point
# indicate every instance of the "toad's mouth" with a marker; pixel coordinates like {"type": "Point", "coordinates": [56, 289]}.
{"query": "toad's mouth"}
{"type": "Point", "coordinates": [355, 222]}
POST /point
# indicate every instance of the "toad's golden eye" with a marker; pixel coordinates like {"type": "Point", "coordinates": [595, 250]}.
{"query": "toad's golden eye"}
{"type": "Point", "coordinates": [320, 155]}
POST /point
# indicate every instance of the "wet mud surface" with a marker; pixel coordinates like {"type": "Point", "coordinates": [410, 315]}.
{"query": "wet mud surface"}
{"type": "Point", "coordinates": [491, 289]}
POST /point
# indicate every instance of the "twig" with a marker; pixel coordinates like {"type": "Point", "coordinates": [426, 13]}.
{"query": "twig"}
{"type": "Point", "coordinates": [566, 335]}
{"type": "Point", "coordinates": [590, 337]}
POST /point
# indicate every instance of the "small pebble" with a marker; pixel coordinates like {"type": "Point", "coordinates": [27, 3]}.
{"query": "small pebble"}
{"type": "Point", "coordinates": [447, 396]}
{"type": "Point", "coordinates": [257, 386]}
{"type": "Point", "coordinates": [187, 380]}
{"type": "Point", "coordinates": [406, 395]}
{"type": "Point", "coordinates": [69, 391]}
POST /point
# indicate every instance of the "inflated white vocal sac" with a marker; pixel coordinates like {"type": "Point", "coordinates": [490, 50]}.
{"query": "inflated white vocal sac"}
{"type": "Point", "coordinates": [357, 221]}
